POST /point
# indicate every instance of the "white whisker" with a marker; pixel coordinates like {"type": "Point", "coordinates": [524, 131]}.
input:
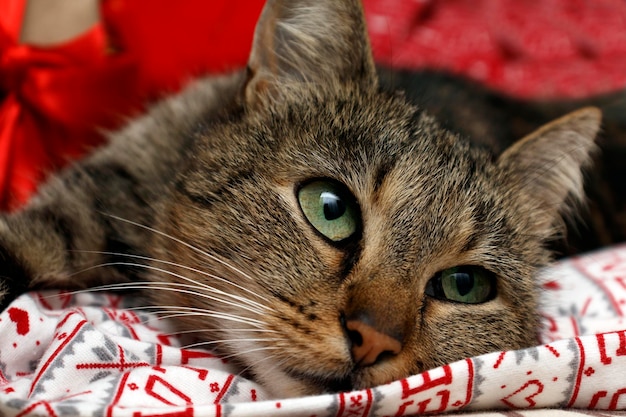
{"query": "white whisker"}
{"type": "Point", "coordinates": [220, 330]}
{"type": "Point", "coordinates": [173, 315]}
{"type": "Point", "coordinates": [192, 247]}
{"type": "Point", "coordinates": [197, 311]}
{"type": "Point", "coordinates": [172, 311]}
{"type": "Point", "coordinates": [245, 352]}
{"type": "Point", "coordinates": [223, 341]}
{"type": "Point", "coordinates": [147, 285]}
{"type": "Point", "coordinates": [255, 364]}
{"type": "Point", "coordinates": [207, 274]}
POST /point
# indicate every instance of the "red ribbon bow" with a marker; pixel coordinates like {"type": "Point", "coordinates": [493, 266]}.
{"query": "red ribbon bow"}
{"type": "Point", "coordinates": [55, 101]}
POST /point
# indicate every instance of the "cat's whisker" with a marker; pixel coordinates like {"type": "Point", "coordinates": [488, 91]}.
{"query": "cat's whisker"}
{"type": "Point", "coordinates": [275, 359]}
{"type": "Point", "coordinates": [157, 286]}
{"type": "Point", "coordinates": [168, 287]}
{"type": "Point", "coordinates": [192, 247]}
{"type": "Point", "coordinates": [207, 274]}
{"type": "Point", "coordinates": [223, 341]}
{"type": "Point", "coordinates": [146, 285]}
{"type": "Point", "coordinates": [220, 330]}
{"type": "Point", "coordinates": [171, 311]}
{"type": "Point", "coordinates": [221, 316]}
{"type": "Point", "coordinates": [177, 309]}
{"type": "Point", "coordinates": [247, 352]}
{"type": "Point", "coordinates": [120, 286]}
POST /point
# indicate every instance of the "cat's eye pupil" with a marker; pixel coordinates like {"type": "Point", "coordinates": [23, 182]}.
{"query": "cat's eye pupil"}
{"type": "Point", "coordinates": [334, 207]}
{"type": "Point", "coordinates": [330, 208]}
{"type": "Point", "coordinates": [462, 284]}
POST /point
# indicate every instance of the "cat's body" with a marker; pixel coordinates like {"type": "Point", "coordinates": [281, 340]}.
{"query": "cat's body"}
{"type": "Point", "coordinates": [321, 232]}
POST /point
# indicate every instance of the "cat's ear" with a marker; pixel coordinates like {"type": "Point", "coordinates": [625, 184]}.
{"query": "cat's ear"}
{"type": "Point", "coordinates": [313, 41]}
{"type": "Point", "coordinates": [545, 167]}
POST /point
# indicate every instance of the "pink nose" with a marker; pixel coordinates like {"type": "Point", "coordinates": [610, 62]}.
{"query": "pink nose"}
{"type": "Point", "coordinates": [368, 344]}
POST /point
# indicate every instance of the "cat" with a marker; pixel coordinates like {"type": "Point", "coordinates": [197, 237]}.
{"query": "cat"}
{"type": "Point", "coordinates": [323, 232]}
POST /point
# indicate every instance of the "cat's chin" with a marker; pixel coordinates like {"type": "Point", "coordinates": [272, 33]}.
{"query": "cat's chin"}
{"type": "Point", "coordinates": [286, 384]}
{"type": "Point", "coordinates": [300, 388]}
{"type": "Point", "coordinates": [290, 383]}
{"type": "Point", "coordinates": [288, 387]}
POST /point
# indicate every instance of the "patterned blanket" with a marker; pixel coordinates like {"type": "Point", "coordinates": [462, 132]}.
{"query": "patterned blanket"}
{"type": "Point", "coordinates": [95, 354]}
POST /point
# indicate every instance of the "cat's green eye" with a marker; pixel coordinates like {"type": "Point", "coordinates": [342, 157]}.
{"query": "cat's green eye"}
{"type": "Point", "coordinates": [330, 209]}
{"type": "Point", "coordinates": [462, 284]}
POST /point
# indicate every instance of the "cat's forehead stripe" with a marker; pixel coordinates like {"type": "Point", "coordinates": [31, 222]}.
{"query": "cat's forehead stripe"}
{"type": "Point", "coordinates": [381, 172]}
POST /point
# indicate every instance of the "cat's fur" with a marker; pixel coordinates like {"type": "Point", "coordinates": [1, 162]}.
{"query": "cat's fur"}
{"type": "Point", "coordinates": [200, 196]}
{"type": "Point", "coordinates": [494, 121]}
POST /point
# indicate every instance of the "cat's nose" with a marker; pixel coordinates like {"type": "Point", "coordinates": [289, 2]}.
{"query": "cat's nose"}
{"type": "Point", "coordinates": [370, 345]}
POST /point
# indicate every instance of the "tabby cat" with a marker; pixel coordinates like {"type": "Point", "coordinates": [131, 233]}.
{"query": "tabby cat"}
{"type": "Point", "coordinates": [327, 234]}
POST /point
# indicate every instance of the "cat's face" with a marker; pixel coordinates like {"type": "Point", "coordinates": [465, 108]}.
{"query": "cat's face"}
{"type": "Point", "coordinates": [346, 240]}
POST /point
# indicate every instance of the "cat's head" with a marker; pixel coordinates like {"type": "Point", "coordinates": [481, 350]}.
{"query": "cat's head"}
{"type": "Point", "coordinates": [340, 238]}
